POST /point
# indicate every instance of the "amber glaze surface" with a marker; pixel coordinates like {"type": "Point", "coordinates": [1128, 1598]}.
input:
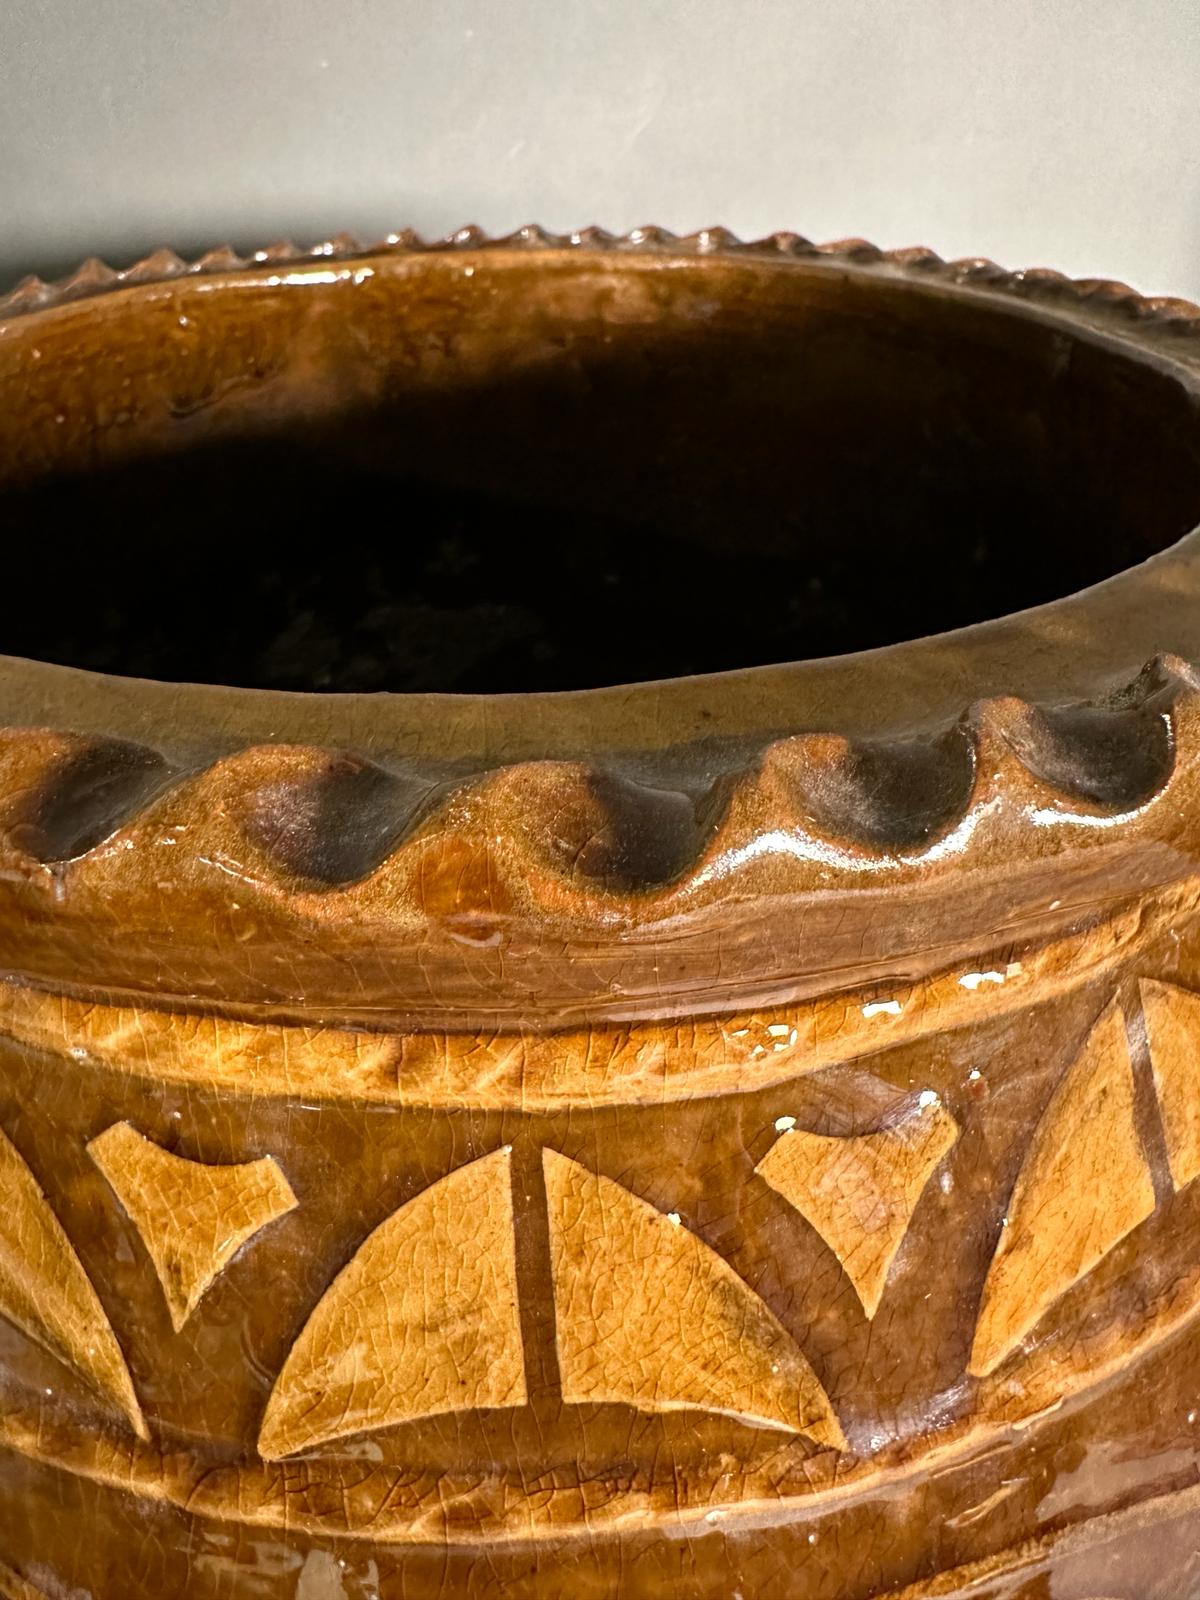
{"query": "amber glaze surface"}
{"type": "Point", "coordinates": [733, 1135]}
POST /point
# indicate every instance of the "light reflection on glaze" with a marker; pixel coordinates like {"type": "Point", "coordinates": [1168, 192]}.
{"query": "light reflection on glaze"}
{"type": "Point", "coordinates": [808, 847]}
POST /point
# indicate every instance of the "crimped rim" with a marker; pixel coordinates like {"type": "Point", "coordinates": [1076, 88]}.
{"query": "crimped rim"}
{"type": "Point", "coordinates": [1104, 298]}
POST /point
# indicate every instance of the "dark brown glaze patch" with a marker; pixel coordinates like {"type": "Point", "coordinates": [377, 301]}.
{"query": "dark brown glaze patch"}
{"type": "Point", "coordinates": [890, 796]}
{"type": "Point", "coordinates": [331, 819]}
{"type": "Point", "coordinates": [1112, 757]}
{"type": "Point", "coordinates": [97, 788]}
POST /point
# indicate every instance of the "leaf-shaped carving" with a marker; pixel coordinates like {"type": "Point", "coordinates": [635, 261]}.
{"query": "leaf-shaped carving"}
{"type": "Point", "coordinates": [424, 1319]}
{"type": "Point", "coordinates": [1173, 1033]}
{"type": "Point", "coordinates": [1085, 1184]}
{"type": "Point", "coordinates": [648, 1315]}
{"type": "Point", "coordinates": [46, 1293]}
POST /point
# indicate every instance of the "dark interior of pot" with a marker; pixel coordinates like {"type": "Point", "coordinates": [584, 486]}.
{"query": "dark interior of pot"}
{"type": "Point", "coordinates": [519, 474]}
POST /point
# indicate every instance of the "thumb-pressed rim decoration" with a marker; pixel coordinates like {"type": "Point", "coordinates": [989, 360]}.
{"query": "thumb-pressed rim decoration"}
{"type": "Point", "coordinates": [921, 761]}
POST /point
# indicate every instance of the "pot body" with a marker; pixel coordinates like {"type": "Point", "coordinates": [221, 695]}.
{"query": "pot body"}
{"type": "Point", "coordinates": [735, 1137]}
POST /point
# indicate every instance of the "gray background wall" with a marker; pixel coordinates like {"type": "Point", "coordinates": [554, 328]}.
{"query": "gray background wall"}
{"type": "Point", "coordinates": [1044, 132]}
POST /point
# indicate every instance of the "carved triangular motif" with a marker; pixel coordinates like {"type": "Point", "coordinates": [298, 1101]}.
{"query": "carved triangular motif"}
{"type": "Point", "coordinates": [46, 1293]}
{"type": "Point", "coordinates": [649, 1316]}
{"type": "Point", "coordinates": [424, 1319]}
{"type": "Point", "coordinates": [859, 1193]}
{"type": "Point", "coordinates": [1084, 1185]}
{"type": "Point", "coordinates": [1173, 1034]}
{"type": "Point", "coordinates": [193, 1217]}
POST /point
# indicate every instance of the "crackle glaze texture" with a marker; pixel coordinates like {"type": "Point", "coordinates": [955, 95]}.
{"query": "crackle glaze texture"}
{"type": "Point", "coordinates": [733, 1136]}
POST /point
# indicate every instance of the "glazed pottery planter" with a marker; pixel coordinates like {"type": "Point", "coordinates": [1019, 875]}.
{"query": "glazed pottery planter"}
{"type": "Point", "coordinates": [737, 1135]}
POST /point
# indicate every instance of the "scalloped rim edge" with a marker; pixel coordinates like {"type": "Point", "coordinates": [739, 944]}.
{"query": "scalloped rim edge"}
{"type": "Point", "coordinates": [1108, 299]}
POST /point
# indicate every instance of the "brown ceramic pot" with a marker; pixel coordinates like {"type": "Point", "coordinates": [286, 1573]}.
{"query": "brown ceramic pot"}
{"type": "Point", "coordinates": [732, 1136]}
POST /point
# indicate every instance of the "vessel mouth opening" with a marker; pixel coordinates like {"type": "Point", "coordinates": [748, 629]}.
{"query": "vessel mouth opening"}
{"type": "Point", "coordinates": [516, 479]}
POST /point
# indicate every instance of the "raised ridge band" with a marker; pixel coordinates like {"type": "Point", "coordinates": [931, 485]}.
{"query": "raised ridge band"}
{"type": "Point", "coordinates": [297, 875]}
